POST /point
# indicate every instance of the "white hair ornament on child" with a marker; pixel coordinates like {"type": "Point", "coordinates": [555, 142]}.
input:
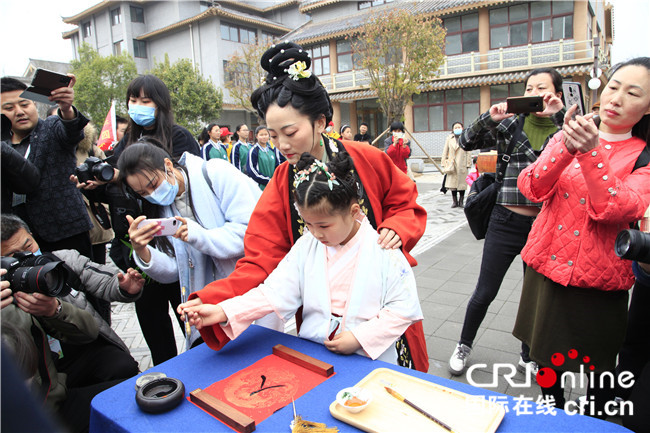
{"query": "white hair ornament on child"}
{"type": "Point", "coordinates": [317, 165]}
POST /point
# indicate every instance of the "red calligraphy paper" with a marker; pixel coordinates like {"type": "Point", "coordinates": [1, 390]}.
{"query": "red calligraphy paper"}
{"type": "Point", "coordinates": [264, 387]}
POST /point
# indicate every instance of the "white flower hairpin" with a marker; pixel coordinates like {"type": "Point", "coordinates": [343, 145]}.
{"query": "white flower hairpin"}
{"type": "Point", "coordinates": [298, 70]}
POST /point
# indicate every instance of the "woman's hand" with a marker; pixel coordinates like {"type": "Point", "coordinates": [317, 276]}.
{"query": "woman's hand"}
{"type": "Point", "coordinates": [89, 185]}
{"type": "Point", "coordinates": [140, 237]}
{"type": "Point", "coordinates": [182, 232]}
{"type": "Point", "coordinates": [498, 112]}
{"type": "Point", "coordinates": [344, 343]}
{"type": "Point", "coordinates": [200, 314]}
{"type": "Point", "coordinates": [389, 240]}
{"type": "Point", "coordinates": [552, 104]}
{"type": "Point", "coordinates": [579, 134]}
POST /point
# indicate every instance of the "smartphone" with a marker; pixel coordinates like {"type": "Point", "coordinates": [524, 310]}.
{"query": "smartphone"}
{"type": "Point", "coordinates": [572, 94]}
{"type": "Point", "coordinates": [168, 226]}
{"type": "Point", "coordinates": [43, 83]}
{"type": "Point", "coordinates": [525, 104]}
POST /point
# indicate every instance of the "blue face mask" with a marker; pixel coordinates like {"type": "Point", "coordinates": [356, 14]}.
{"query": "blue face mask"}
{"type": "Point", "coordinates": [458, 131]}
{"type": "Point", "coordinates": [142, 115]}
{"type": "Point", "coordinates": [164, 195]}
{"type": "Point", "coordinates": [38, 252]}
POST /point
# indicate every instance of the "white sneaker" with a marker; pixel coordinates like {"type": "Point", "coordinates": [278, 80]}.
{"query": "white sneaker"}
{"type": "Point", "coordinates": [530, 366]}
{"type": "Point", "coordinates": [458, 359]}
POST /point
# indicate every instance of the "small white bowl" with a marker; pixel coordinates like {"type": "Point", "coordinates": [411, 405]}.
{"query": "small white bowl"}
{"type": "Point", "coordinates": [346, 393]}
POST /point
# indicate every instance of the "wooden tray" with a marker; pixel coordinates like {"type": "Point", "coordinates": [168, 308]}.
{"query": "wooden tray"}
{"type": "Point", "coordinates": [463, 412]}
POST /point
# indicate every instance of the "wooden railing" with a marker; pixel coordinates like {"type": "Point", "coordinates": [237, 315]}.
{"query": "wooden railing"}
{"type": "Point", "coordinates": [547, 53]}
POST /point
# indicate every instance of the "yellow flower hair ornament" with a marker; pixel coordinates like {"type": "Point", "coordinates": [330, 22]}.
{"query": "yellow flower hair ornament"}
{"type": "Point", "coordinates": [298, 70]}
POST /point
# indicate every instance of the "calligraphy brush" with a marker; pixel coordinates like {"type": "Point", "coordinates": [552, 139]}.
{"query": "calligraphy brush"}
{"type": "Point", "coordinates": [188, 328]}
{"type": "Point", "coordinates": [422, 411]}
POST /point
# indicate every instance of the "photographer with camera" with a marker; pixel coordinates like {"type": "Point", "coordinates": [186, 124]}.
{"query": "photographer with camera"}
{"type": "Point", "coordinates": [65, 276]}
{"type": "Point", "coordinates": [42, 317]}
{"type": "Point", "coordinates": [634, 356]}
{"type": "Point", "coordinates": [55, 210]}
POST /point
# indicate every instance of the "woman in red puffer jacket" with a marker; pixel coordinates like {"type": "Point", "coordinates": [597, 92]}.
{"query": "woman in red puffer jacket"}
{"type": "Point", "coordinates": [574, 300]}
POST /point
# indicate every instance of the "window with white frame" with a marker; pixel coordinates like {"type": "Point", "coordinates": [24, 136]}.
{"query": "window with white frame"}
{"type": "Point", "coordinates": [320, 58]}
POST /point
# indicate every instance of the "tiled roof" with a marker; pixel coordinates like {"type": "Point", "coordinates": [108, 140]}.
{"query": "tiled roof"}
{"type": "Point", "coordinates": [60, 67]}
{"type": "Point", "coordinates": [317, 31]}
{"type": "Point", "coordinates": [221, 12]}
{"type": "Point", "coordinates": [456, 83]}
{"type": "Point", "coordinates": [274, 5]}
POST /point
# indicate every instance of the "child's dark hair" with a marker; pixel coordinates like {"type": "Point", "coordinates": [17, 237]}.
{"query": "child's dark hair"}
{"type": "Point", "coordinates": [315, 189]}
{"type": "Point", "coordinates": [642, 128]}
{"type": "Point", "coordinates": [307, 95]}
{"type": "Point", "coordinates": [153, 88]}
{"type": "Point", "coordinates": [146, 156]}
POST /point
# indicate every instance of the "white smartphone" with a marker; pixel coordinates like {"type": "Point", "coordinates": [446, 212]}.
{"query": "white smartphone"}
{"type": "Point", "coordinates": [168, 226]}
{"type": "Point", "coordinates": [572, 94]}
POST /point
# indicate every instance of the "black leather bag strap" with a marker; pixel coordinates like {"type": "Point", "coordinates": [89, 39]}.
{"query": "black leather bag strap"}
{"type": "Point", "coordinates": [505, 158]}
{"type": "Point", "coordinates": [643, 159]}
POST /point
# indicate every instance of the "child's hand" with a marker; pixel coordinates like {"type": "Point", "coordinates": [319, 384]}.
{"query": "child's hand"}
{"type": "Point", "coordinates": [200, 315]}
{"type": "Point", "coordinates": [344, 343]}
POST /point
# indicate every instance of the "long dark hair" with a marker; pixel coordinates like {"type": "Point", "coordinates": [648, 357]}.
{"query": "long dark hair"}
{"type": "Point", "coordinates": [307, 95]}
{"type": "Point", "coordinates": [318, 190]}
{"type": "Point", "coordinates": [146, 156]}
{"type": "Point", "coordinates": [153, 88]}
{"type": "Point", "coordinates": [642, 128]}
{"type": "Point", "coordinates": [236, 137]}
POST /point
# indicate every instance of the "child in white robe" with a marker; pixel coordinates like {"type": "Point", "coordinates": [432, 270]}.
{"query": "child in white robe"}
{"type": "Point", "coordinates": [356, 296]}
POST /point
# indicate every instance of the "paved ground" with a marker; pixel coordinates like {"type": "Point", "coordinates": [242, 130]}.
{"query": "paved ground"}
{"type": "Point", "coordinates": [448, 265]}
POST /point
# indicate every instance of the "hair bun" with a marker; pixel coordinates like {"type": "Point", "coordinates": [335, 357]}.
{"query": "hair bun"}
{"type": "Point", "coordinates": [279, 57]}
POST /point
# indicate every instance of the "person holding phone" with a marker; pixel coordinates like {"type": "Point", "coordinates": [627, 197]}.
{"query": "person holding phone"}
{"type": "Point", "coordinates": [213, 202]}
{"type": "Point", "coordinates": [397, 146]}
{"type": "Point", "coordinates": [513, 214]}
{"type": "Point", "coordinates": [575, 292]}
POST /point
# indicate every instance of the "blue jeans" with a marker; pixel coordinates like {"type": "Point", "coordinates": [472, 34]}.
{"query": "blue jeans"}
{"type": "Point", "coordinates": [504, 240]}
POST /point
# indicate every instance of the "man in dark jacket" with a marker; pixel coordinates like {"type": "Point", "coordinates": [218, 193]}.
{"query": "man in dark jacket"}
{"type": "Point", "coordinates": [363, 134]}
{"type": "Point", "coordinates": [55, 210]}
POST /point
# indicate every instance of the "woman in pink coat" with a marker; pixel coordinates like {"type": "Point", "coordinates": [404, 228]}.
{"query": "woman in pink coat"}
{"type": "Point", "coordinates": [574, 300]}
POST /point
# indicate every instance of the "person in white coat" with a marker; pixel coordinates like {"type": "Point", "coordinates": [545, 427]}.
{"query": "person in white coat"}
{"type": "Point", "coordinates": [356, 296]}
{"type": "Point", "coordinates": [456, 163]}
{"type": "Point", "coordinates": [212, 202]}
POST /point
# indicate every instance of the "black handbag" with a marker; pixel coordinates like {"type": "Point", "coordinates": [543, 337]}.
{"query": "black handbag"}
{"type": "Point", "coordinates": [484, 191]}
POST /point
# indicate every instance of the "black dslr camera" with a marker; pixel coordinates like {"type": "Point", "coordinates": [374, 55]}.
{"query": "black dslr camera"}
{"type": "Point", "coordinates": [94, 168]}
{"type": "Point", "coordinates": [633, 245]}
{"type": "Point", "coordinates": [42, 274]}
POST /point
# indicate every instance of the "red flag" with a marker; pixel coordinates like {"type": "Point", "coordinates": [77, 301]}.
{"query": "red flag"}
{"type": "Point", "coordinates": [108, 136]}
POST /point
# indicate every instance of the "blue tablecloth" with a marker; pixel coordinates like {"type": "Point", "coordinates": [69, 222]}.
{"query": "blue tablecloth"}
{"type": "Point", "coordinates": [115, 409]}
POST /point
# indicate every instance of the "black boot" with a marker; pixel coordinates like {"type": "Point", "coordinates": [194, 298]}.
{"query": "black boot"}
{"type": "Point", "coordinates": [461, 199]}
{"type": "Point", "coordinates": [454, 198]}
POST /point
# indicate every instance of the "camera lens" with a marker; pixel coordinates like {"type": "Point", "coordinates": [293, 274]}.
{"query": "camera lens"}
{"type": "Point", "coordinates": [103, 172]}
{"type": "Point", "coordinates": [633, 245]}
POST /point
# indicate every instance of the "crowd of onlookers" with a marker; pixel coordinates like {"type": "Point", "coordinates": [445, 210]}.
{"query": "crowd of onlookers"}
{"type": "Point", "coordinates": [193, 224]}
